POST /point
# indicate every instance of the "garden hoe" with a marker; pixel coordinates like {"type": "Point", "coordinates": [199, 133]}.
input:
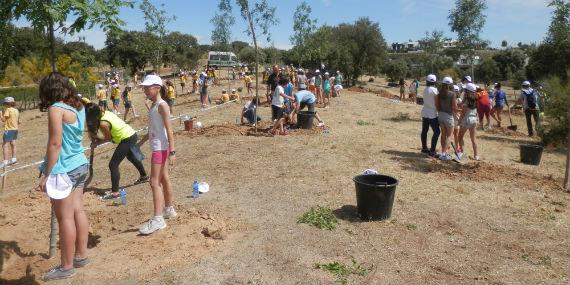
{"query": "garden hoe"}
{"type": "Point", "coordinates": [511, 127]}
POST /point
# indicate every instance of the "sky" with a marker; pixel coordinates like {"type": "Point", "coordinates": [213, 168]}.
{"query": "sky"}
{"type": "Point", "coordinates": [515, 21]}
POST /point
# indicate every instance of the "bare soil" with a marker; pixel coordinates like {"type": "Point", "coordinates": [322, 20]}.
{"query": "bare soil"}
{"type": "Point", "coordinates": [493, 221]}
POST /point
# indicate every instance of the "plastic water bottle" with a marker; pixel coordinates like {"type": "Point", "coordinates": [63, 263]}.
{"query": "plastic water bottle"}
{"type": "Point", "coordinates": [195, 189]}
{"type": "Point", "coordinates": [123, 195]}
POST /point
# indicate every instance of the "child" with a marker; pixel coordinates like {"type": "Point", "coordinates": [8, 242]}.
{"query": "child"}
{"type": "Point", "coordinates": [318, 80]}
{"type": "Point", "coordinates": [65, 161]}
{"type": "Point", "coordinates": [102, 97]}
{"type": "Point", "coordinates": [170, 95]}
{"type": "Point", "coordinates": [429, 116]}
{"type": "Point", "coordinates": [225, 97]}
{"type": "Point", "coordinates": [194, 82]}
{"type": "Point", "coordinates": [182, 76]}
{"type": "Point", "coordinates": [483, 106]}
{"type": "Point", "coordinates": [162, 145]}
{"type": "Point", "coordinates": [127, 101]}
{"type": "Point", "coordinates": [247, 81]}
{"type": "Point", "coordinates": [204, 98]}
{"type": "Point", "coordinates": [403, 86]}
{"type": "Point", "coordinates": [248, 112]}
{"type": "Point", "coordinates": [456, 116]}
{"type": "Point", "coordinates": [11, 119]}
{"type": "Point", "coordinates": [235, 96]}
{"type": "Point", "coordinates": [289, 103]}
{"type": "Point", "coordinates": [468, 119]}
{"type": "Point", "coordinates": [115, 97]}
{"type": "Point", "coordinates": [327, 90]}
{"type": "Point", "coordinates": [500, 102]}
{"type": "Point", "coordinates": [446, 105]}
{"type": "Point", "coordinates": [277, 106]}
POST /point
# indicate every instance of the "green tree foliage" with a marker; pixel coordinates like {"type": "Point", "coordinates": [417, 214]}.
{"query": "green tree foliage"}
{"type": "Point", "coordinates": [509, 61]}
{"type": "Point", "coordinates": [467, 20]}
{"type": "Point", "coordinates": [247, 55]}
{"type": "Point", "coordinates": [130, 49]}
{"type": "Point", "coordinates": [155, 23]}
{"type": "Point", "coordinates": [557, 115]}
{"type": "Point", "coordinates": [81, 53]}
{"type": "Point", "coordinates": [553, 56]}
{"type": "Point", "coordinates": [504, 44]}
{"type": "Point", "coordinates": [303, 26]}
{"type": "Point", "coordinates": [395, 69]}
{"type": "Point", "coordinates": [237, 46]}
{"type": "Point", "coordinates": [487, 71]}
{"type": "Point", "coordinates": [55, 15]}
{"type": "Point", "coordinates": [181, 49]}
{"type": "Point", "coordinates": [223, 20]}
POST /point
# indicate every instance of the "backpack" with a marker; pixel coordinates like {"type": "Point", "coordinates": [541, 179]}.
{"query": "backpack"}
{"type": "Point", "coordinates": [531, 100]}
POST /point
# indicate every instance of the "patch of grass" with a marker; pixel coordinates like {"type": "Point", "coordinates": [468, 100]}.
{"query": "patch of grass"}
{"type": "Point", "coordinates": [343, 271]}
{"type": "Point", "coordinates": [320, 217]}
{"type": "Point", "coordinates": [364, 123]}
{"type": "Point", "coordinates": [412, 227]}
{"type": "Point", "coordinates": [400, 117]}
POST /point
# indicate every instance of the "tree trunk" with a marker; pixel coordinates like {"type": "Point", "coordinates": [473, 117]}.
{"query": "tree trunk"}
{"type": "Point", "coordinates": [567, 176]}
{"type": "Point", "coordinates": [250, 20]}
{"type": "Point", "coordinates": [52, 46]}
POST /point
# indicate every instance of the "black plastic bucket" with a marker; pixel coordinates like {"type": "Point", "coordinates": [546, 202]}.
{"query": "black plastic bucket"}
{"type": "Point", "coordinates": [531, 153]}
{"type": "Point", "coordinates": [305, 119]}
{"type": "Point", "coordinates": [375, 196]}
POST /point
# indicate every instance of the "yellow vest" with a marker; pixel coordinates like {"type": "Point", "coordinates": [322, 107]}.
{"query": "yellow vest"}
{"type": "Point", "coordinates": [119, 129]}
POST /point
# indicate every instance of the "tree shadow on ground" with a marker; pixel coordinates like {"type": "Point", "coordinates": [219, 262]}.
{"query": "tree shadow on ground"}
{"type": "Point", "coordinates": [348, 213]}
{"type": "Point", "coordinates": [412, 161]}
{"type": "Point", "coordinates": [505, 139]}
{"type": "Point", "coordinates": [7, 249]}
{"type": "Point", "coordinates": [29, 279]}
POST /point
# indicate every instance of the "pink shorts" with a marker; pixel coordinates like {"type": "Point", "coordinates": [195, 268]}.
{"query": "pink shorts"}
{"type": "Point", "coordinates": [159, 156]}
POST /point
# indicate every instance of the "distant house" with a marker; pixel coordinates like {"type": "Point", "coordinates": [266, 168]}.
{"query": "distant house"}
{"type": "Point", "coordinates": [449, 43]}
{"type": "Point", "coordinates": [409, 46]}
{"type": "Point", "coordinates": [464, 62]}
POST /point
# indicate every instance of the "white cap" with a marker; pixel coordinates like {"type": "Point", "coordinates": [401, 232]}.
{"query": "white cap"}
{"type": "Point", "coordinates": [468, 78]}
{"type": "Point", "coordinates": [431, 78]}
{"type": "Point", "coordinates": [455, 88]}
{"type": "Point", "coordinates": [326, 73]}
{"type": "Point", "coordinates": [8, 100]}
{"type": "Point", "coordinates": [447, 80]}
{"type": "Point", "coordinates": [58, 186]}
{"type": "Point", "coordinates": [525, 83]}
{"type": "Point", "coordinates": [317, 71]}
{"type": "Point", "coordinates": [470, 87]}
{"type": "Point", "coordinates": [224, 90]}
{"type": "Point", "coordinates": [233, 90]}
{"type": "Point", "coordinates": [150, 80]}
{"type": "Point", "coordinates": [337, 71]}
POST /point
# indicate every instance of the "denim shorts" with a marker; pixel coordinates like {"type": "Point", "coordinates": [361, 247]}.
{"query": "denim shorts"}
{"type": "Point", "coordinates": [78, 176]}
{"type": "Point", "coordinates": [10, 135]}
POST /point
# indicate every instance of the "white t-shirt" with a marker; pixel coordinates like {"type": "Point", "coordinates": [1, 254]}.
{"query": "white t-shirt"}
{"type": "Point", "coordinates": [429, 111]}
{"type": "Point", "coordinates": [156, 130]}
{"type": "Point", "coordinates": [277, 99]}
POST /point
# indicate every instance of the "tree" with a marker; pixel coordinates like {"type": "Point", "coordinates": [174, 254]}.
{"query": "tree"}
{"type": "Point", "coordinates": [131, 50]}
{"type": "Point", "coordinates": [222, 26]}
{"type": "Point", "coordinates": [237, 46]}
{"type": "Point", "coordinates": [259, 17]}
{"type": "Point", "coordinates": [552, 57]}
{"type": "Point", "coordinates": [155, 23]}
{"type": "Point", "coordinates": [504, 44]}
{"type": "Point", "coordinates": [395, 69]}
{"type": "Point", "coordinates": [303, 26]}
{"type": "Point", "coordinates": [80, 52]}
{"type": "Point", "coordinates": [487, 71]}
{"type": "Point", "coordinates": [432, 43]}
{"type": "Point", "coordinates": [509, 61]}
{"type": "Point", "coordinates": [52, 13]}
{"type": "Point", "coordinates": [467, 20]}
{"type": "Point", "coordinates": [181, 49]}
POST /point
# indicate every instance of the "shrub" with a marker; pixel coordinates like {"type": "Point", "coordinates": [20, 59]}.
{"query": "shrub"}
{"type": "Point", "coordinates": [554, 129]}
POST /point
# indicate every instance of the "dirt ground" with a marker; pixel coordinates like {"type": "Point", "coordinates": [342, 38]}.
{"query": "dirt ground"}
{"type": "Point", "coordinates": [495, 221]}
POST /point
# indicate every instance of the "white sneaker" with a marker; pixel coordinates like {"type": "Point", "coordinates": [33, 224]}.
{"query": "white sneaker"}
{"type": "Point", "coordinates": [169, 212]}
{"type": "Point", "coordinates": [445, 157]}
{"type": "Point", "coordinates": [13, 161]}
{"type": "Point", "coordinates": [4, 163]}
{"type": "Point", "coordinates": [321, 124]}
{"type": "Point", "coordinates": [152, 226]}
{"type": "Point", "coordinates": [460, 155]}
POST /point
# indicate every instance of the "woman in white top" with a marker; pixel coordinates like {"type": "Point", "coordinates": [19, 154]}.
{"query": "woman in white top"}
{"type": "Point", "coordinates": [161, 140]}
{"type": "Point", "coordinates": [429, 116]}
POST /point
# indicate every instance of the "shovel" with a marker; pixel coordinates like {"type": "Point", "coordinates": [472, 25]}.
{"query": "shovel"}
{"type": "Point", "coordinates": [90, 177]}
{"type": "Point", "coordinates": [511, 127]}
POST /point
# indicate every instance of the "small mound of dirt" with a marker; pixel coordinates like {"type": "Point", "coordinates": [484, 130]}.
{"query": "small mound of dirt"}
{"type": "Point", "coordinates": [487, 171]}
{"type": "Point", "coordinates": [506, 132]}
{"type": "Point", "coordinates": [381, 92]}
{"type": "Point", "coordinates": [246, 130]}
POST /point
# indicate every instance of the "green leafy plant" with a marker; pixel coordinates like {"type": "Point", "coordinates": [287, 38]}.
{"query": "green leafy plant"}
{"type": "Point", "coordinates": [412, 227]}
{"type": "Point", "coordinates": [363, 123]}
{"type": "Point", "coordinates": [320, 217]}
{"type": "Point", "coordinates": [343, 271]}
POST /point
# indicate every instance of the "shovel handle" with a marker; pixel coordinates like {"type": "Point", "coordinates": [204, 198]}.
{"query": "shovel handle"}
{"type": "Point", "coordinates": [510, 116]}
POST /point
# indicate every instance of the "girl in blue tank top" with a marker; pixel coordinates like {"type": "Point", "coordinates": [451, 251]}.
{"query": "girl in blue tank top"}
{"type": "Point", "coordinates": [65, 161]}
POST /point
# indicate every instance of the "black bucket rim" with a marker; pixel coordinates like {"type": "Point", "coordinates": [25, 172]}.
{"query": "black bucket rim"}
{"type": "Point", "coordinates": [537, 146]}
{"type": "Point", "coordinates": [306, 112]}
{"type": "Point", "coordinates": [375, 185]}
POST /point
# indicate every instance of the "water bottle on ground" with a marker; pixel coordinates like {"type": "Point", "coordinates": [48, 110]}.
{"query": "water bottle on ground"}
{"type": "Point", "coordinates": [195, 189]}
{"type": "Point", "coordinates": [123, 195]}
